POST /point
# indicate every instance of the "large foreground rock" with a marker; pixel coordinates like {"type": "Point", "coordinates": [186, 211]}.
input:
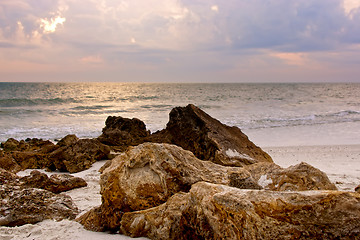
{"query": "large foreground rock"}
{"type": "Point", "coordinates": [123, 132]}
{"type": "Point", "coordinates": [211, 211]}
{"type": "Point", "coordinates": [194, 130]}
{"type": "Point", "coordinates": [75, 155]}
{"type": "Point", "coordinates": [149, 174]}
{"type": "Point", "coordinates": [21, 206]}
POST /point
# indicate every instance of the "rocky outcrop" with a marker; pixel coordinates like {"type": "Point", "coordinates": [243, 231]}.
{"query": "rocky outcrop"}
{"type": "Point", "coordinates": [123, 132]}
{"type": "Point", "coordinates": [30, 144]}
{"type": "Point", "coordinates": [211, 211]}
{"type": "Point", "coordinates": [56, 183]}
{"type": "Point", "coordinates": [7, 177]}
{"type": "Point", "coordinates": [76, 155]}
{"type": "Point", "coordinates": [31, 153]}
{"type": "Point", "coordinates": [300, 177]}
{"type": "Point", "coordinates": [8, 163]}
{"type": "Point", "coordinates": [194, 130]}
{"type": "Point", "coordinates": [21, 206]}
{"type": "Point", "coordinates": [147, 175]}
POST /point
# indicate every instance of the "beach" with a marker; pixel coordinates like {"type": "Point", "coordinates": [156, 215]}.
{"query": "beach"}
{"type": "Point", "coordinates": [314, 123]}
{"type": "Point", "coordinates": [339, 162]}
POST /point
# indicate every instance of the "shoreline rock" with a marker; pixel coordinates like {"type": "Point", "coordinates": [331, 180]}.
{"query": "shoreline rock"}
{"type": "Point", "coordinates": [21, 206]}
{"type": "Point", "coordinates": [148, 175]}
{"type": "Point", "coordinates": [211, 211]}
{"type": "Point", "coordinates": [194, 130]}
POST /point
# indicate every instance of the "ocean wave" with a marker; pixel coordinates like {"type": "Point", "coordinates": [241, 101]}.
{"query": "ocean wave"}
{"type": "Point", "coordinates": [313, 119]}
{"type": "Point", "coordinates": [19, 102]}
{"type": "Point", "coordinates": [95, 107]}
{"type": "Point", "coordinates": [86, 112]}
{"type": "Point", "coordinates": [157, 106]}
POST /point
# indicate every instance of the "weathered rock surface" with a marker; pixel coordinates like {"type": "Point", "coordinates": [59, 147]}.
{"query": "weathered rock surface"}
{"type": "Point", "coordinates": [123, 132]}
{"type": "Point", "coordinates": [70, 154]}
{"type": "Point", "coordinates": [194, 130]}
{"type": "Point", "coordinates": [7, 177]}
{"type": "Point", "coordinates": [21, 206]}
{"type": "Point", "coordinates": [211, 211]}
{"type": "Point", "coordinates": [147, 175]}
{"type": "Point", "coordinates": [30, 144]}
{"type": "Point", "coordinates": [8, 163]}
{"type": "Point", "coordinates": [31, 153]}
{"type": "Point", "coordinates": [357, 189]}
{"type": "Point", "coordinates": [68, 140]}
{"type": "Point", "coordinates": [56, 183]}
{"type": "Point", "coordinates": [78, 155]}
{"type": "Point", "coordinates": [300, 177]}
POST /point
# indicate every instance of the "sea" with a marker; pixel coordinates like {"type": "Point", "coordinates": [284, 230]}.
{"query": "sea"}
{"type": "Point", "coordinates": [270, 114]}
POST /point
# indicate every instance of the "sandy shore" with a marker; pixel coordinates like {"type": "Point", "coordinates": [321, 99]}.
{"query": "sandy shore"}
{"type": "Point", "coordinates": [340, 163]}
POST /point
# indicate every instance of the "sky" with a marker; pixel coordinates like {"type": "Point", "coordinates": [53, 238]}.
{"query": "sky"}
{"type": "Point", "coordinates": [180, 40]}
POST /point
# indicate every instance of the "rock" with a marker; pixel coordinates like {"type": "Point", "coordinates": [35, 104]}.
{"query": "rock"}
{"type": "Point", "coordinates": [10, 145]}
{"type": "Point", "coordinates": [31, 153]}
{"type": "Point", "coordinates": [93, 220]}
{"type": "Point", "coordinates": [30, 159]}
{"type": "Point", "coordinates": [300, 177]}
{"type": "Point", "coordinates": [7, 177]}
{"type": "Point", "coordinates": [68, 140]}
{"type": "Point", "coordinates": [211, 211]}
{"type": "Point", "coordinates": [29, 145]}
{"type": "Point", "coordinates": [123, 132]}
{"type": "Point", "coordinates": [79, 155]}
{"type": "Point", "coordinates": [8, 163]}
{"type": "Point", "coordinates": [357, 189]}
{"type": "Point", "coordinates": [21, 206]}
{"type": "Point", "coordinates": [147, 175]}
{"type": "Point", "coordinates": [56, 183]}
{"type": "Point", "coordinates": [194, 130]}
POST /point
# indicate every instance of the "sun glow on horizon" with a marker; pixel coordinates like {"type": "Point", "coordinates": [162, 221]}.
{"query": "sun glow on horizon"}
{"type": "Point", "coordinates": [50, 26]}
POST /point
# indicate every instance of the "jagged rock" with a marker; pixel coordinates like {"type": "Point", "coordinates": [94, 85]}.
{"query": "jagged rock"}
{"type": "Point", "coordinates": [357, 189]}
{"type": "Point", "coordinates": [29, 145]}
{"type": "Point", "coordinates": [68, 140]}
{"type": "Point", "coordinates": [147, 175]}
{"type": "Point", "coordinates": [8, 163]}
{"type": "Point", "coordinates": [31, 153]}
{"type": "Point", "coordinates": [21, 206]}
{"type": "Point", "coordinates": [123, 132]}
{"type": "Point", "coordinates": [93, 220]}
{"type": "Point", "coordinates": [30, 159]}
{"type": "Point", "coordinates": [56, 183]}
{"type": "Point", "coordinates": [211, 211]}
{"type": "Point", "coordinates": [79, 155]}
{"type": "Point", "coordinates": [7, 177]}
{"type": "Point", "coordinates": [10, 145]}
{"type": "Point", "coordinates": [194, 130]}
{"type": "Point", "coordinates": [300, 177]}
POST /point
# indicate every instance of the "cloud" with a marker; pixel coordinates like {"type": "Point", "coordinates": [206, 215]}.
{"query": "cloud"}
{"type": "Point", "coordinates": [49, 26]}
{"type": "Point", "coordinates": [180, 37]}
{"type": "Point", "coordinates": [92, 60]}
